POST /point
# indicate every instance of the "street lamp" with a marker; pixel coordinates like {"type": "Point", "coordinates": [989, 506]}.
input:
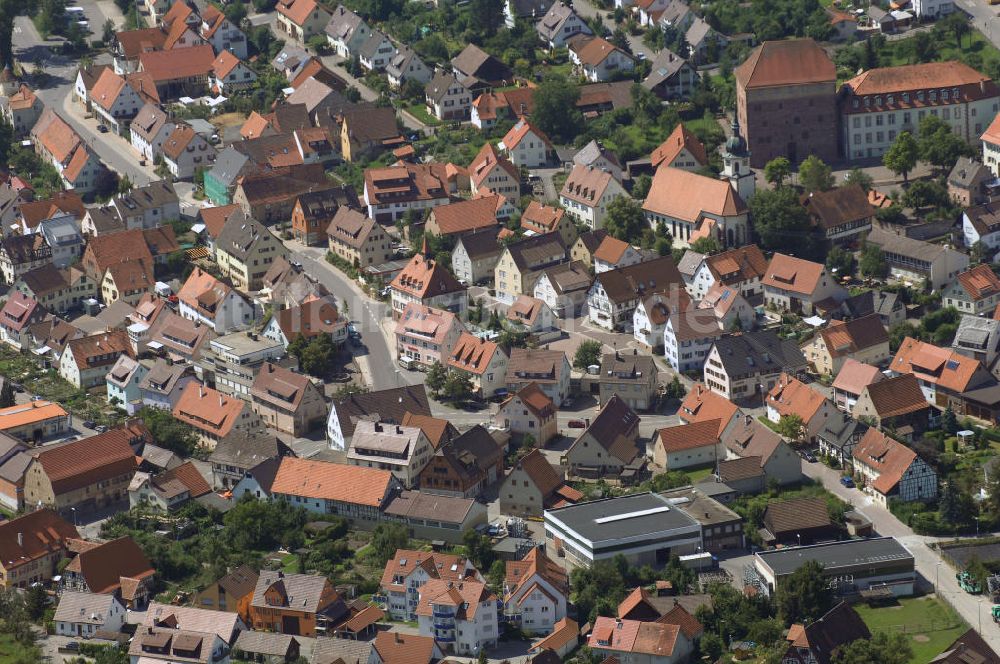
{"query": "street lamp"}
{"type": "Point", "coordinates": [979, 614]}
{"type": "Point", "coordinates": [799, 537]}
{"type": "Point", "coordinates": [74, 516]}
{"type": "Point", "coordinates": [937, 576]}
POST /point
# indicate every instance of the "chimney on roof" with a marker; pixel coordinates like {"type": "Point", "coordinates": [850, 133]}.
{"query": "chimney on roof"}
{"type": "Point", "coordinates": [201, 392]}
{"type": "Point", "coordinates": [20, 540]}
{"type": "Point", "coordinates": [378, 427]}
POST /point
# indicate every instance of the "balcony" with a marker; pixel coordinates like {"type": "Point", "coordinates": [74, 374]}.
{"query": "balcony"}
{"type": "Point", "coordinates": [446, 625]}
{"type": "Point", "coordinates": [445, 639]}
{"type": "Point", "coordinates": [444, 614]}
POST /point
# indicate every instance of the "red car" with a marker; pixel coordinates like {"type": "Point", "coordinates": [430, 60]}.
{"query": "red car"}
{"type": "Point", "coordinates": [577, 424]}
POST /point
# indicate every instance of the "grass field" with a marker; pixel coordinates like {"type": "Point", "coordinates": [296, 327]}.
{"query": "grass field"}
{"type": "Point", "coordinates": [929, 624]}
{"type": "Point", "coordinates": [698, 474]}
{"type": "Point", "coordinates": [12, 652]}
{"type": "Point", "coordinates": [419, 111]}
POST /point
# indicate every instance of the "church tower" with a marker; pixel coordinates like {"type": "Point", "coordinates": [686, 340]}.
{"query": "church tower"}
{"type": "Point", "coordinates": [736, 164]}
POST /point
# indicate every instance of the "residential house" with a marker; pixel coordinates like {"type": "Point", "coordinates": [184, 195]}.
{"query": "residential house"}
{"type": "Point", "coordinates": [22, 253]}
{"type": "Point", "coordinates": [34, 421]}
{"type": "Point", "coordinates": [179, 72]}
{"type": "Point", "coordinates": [888, 306]}
{"type": "Point", "coordinates": [978, 338]}
{"type": "Point", "coordinates": [425, 336]}
{"type": "Point", "coordinates": [598, 59]}
{"type": "Point", "coordinates": [892, 470]}
{"type": "Point", "coordinates": [19, 312]}
{"type": "Point", "coordinates": [447, 98]}
{"type": "Point", "coordinates": [230, 74]}
{"type": "Point", "coordinates": [564, 288]}
{"type": "Point", "coordinates": [895, 404]}
{"type": "Point", "coordinates": [237, 358]}
{"type": "Point", "coordinates": [84, 614]}
{"type": "Point", "coordinates": [671, 77]}
{"type": "Point", "coordinates": [467, 216]}
{"type": "Point", "coordinates": [149, 206]}
{"type": "Point", "coordinates": [482, 361]}
{"type": "Point", "coordinates": [88, 474]}
{"type": "Point", "coordinates": [851, 381]}
{"type": "Point", "coordinates": [21, 110]}
{"type": "Point", "coordinates": [490, 171]}
{"type": "Point", "coordinates": [608, 444]}
{"type": "Point", "coordinates": [630, 377]}
{"type": "Point", "coordinates": [54, 289]}
{"type": "Point", "coordinates": [366, 131]}
{"type": "Point", "coordinates": [968, 181]}
{"type": "Point", "coordinates": [791, 397]}
{"type": "Point", "coordinates": [296, 604]}
{"type": "Point", "coordinates": [797, 285]}
{"type": "Point", "coordinates": [437, 430]}
{"type": "Point", "coordinates": [526, 145]}
{"type": "Point", "coordinates": [463, 466]}
{"type": "Point", "coordinates": [916, 260]}
{"type": "Point", "coordinates": [384, 405]}
{"type": "Point", "coordinates": [302, 19]}
{"type": "Point", "coordinates": [825, 638]}
{"type": "Point", "coordinates": [390, 192]}
{"type": "Point", "coordinates": [184, 151]}
{"type": "Point", "coordinates": [523, 261]}
{"type": "Point", "coordinates": [425, 281]}
{"type": "Point", "coordinates": [650, 321]}
{"type": "Point", "coordinates": [747, 438]}
{"type": "Point", "coordinates": [406, 65]}
{"type": "Point", "coordinates": [116, 99]}
{"type": "Point", "coordinates": [462, 616]}
{"type": "Point", "coordinates": [475, 256]}
{"type": "Point", "coordinates": [218, 31]}
{"type": "Point", "coordinates": [975, 291]}
{"type": "Point", "coordinates": [531, 10]}
{"type": "Point", "coordinates": [157, 644]}
{"type": "Point", "coordinates": [839, 436]}
{"type": "Point", "coordinates": [33, 545]}
{"type": "Point", "coordinates": [743, 366]}
{"type": "Point", "coordinates": [116, 567]}
{"type": "Point", "coordinates": [63, 237]}
{"type": "Point", "coordinates": [560, 24]}
{"type": "Point", "coordinates": [477, 69]}
{"type": "Point", "coordinates": [732, 311]}
{"type": "Point", "coordinates": [206, 300]}
{"type": "Point", "coordinates": [163, 385]}
{"type": "Point", "coordinates": [863, 339]}
{"type": "Point", "coordinates": [841, 214]}
{"type": "Point", "coordinates": [126, 282]}
{"type": "Point", "coordinates": [123, 384]}
{"type": "Point", "coordinates": [346, 32]}
{"type": "Point", "coordinates": [548, 369]}
{"type": "Point", "coordinates": [587, 194]}
{"type": "Point", "coordinates": [530, 314]}
{"type": "Point", "coordinates": [408, 570]}
{"type": "Point", "coordinates": [688, 336]}
{"type": "Point", "coordinates": [693, 206]}
{"type": "Point", "coordinates": [944, 375]}
{"type": "Point", "coordinates": [648, 642]}
{"type": "Point", "coordinates": [614, 294]}
{"type": "Point", "coordinates": [535, 592]}
{"type": "Point", "coordinates": [85, 362]}
{"type": "Point", "coordinates": [376, 52]}
{"type": "Point", "coordinates": [538, 219]}
{"type": "Point", "coordinates": [534, 485]}
{"type": "Point", "coordinates": [687, 445]}
{"type": "Point", "coordinates": [213, 416]}
{"type": "Point", "coordinates": [981, 224]}
{"type": "Point", "coordinates": [313, 211]}
{"type": "Point", "coordinates": [287, 401]}
{"type": "Point", "coordinates": [59, 144]}
{"type": "Point", "coordinates": [86, 77]}
{"type": "Point", "coordinates": [404, 451]}
{"type": "Point", "coordinates": [528, 411]}
{"type": "Point", "coordinates": [232, 592]}
{"type": "Point", "coordinates": [240, 454]}
{"type": "Point", "coordinates": [681, 150]}
{"type": "Point", "coordinates": [314, 317]}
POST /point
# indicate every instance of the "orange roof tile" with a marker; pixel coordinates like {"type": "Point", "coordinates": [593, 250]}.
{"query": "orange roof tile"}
{"type": "Point", "coordinates": [466, 216]}
{"type": "Point", "coordinates": [854, 376]}
{"type": "Point", "coordinates": [938, 366]}
{"type": "Point", "coordinates": [793, 274]}
{"type": "Point", "coordinates": [207, 410]}
{"type": "Point", "coordinates": [297, 11]}
{"type": "Point", "coordinates": [979, 282]}
{"type": "Point", "coordinates": [679, 139]}
{"type": "Point", "coordinates": [690, 436]}
{"type": "Point", "coordinates": [517, 133]}
{"type": "Point", "coordinates": [472, 354]}
{"type": "Point", "coordinates": [790, 396]}
{"type": "Point", "coordinates": [331, 481]}
{"type": "Point", "coordinates": [702, 404]}
{"type": "Point", "coordinates": [29, 413]}
{"type": "Point", "coordinates": [611, 250]}
{"type": "Point", "coordinates": [786, 62]}
{"type": "Point", "coordinates": [890, 459]}
{"type": "Point", "coordinates": [689, 196]}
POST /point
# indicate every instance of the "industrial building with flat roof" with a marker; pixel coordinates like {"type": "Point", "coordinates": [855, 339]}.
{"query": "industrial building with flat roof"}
{"type": "Point", "coordinates": [646, 528]}
{"type": "Point", "coordinates": [852, 566]}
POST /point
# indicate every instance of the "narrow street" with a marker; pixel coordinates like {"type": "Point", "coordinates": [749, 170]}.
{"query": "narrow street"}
{"type": "Point", "coordinates": [975, 609]}
{"type": "Point", "coordinates": [586, 8]}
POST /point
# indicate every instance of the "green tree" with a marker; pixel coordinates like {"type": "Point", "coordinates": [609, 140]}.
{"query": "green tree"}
{"type": "Point", "coordinates": [486, 16]}
{"type": "Point", "coordinates": [790, 426]}
{"type": "Point", "coordinates": [975, 567]}
{"type": "Point", "coordinates": [872, 262]}
{"type": "Point", "coordinates": [587, 353]}
{"type": "Point", "coordinates": [497, 575]}
{"type": "Point", "coordinates": [597, 589]}
{"type": "Point", "coordinates": [7, 394]}
{"type": "Point", "coordinates": [783, 224]}
{"type": "Point", "coordinates": [640, 188]}
{"type": "Point", "coordinates": [436, 377]}
{"type": "Point", "coordinates": [625, 218]}
{"type": "Point", "coordinates": [856, 176]}
{"type": "Point", "coordinates": [940, 145]}
{"type": "Point", "coordinates": [108, 32]}
{"type": "Point", "coordinates": [902, 155]}
{"type": "Point", "coordinates": [387, 538]}
{"type": "Point", "coordinates": [458, 386]}
{"type": "Point", "coordinates": [992, 489]}
{"type": "Point", "coordinates": [35, 601]}
{"type": "Point", "coordinates": [840, 261]}
{"type": "Point", "coordinates": [815, 175]}
{"type": "Point", "coordinates": [804, 595]}
{"type": "Point", "coordinates": [479, 549]}
{"type": "Point", "coordinates": [318, 356]}
{"type": "Point", "coordinates": [169, 432]}
{"type": "Point", "coordinates": [555, 110]}
{"type": "Point", "coordinates": [957, 23]}
{"type": "Point", "coordinates": [949, 421]}
{"type": "Point", "coordinates": [777, 171]}
{"type": "Point", "coordinates": [706, 245]}
{"type": "Point", "coordinates": [882, 647]}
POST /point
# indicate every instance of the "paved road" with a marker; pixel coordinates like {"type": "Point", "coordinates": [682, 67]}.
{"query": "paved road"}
{"type": "Point", "coordinates": [587, 9]}
{"type": "Point", "coordinates": [375, 358]}
{"type": "Point", "coordinates": [931, 567]}
{"type": "Point", "coordinates": [30, 49]}
{"type": "Point", "coordinates": [984, 18]}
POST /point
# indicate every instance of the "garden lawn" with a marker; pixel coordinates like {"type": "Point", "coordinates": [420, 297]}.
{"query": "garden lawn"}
{"type": "Point", "coordinates": [698, 474]}
{"type": "Point", "coordinates": [929, 624]}
{"type": "Point", "coordinates": [419, 111]}
{"type": "Point", "coordinates": [12, 652]}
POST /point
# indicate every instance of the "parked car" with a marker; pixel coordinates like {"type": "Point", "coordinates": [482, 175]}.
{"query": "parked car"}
{"type": "Point", "coordinates": [100, 428]}
{"type": "Point", "coordinates": [809, 456]}
{"type": "Point", "coordinates": [102, 128]}
{"type": "Point", "coordinates": [577, 424]}
{"type": "Point", "coordinates": [847, 481]}
{"type": "Point", "coordinates": [88, 424]}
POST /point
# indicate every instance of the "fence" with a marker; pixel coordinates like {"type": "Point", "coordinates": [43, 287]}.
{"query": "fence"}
{"type": "Point", "coordinates": [922, 628]}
